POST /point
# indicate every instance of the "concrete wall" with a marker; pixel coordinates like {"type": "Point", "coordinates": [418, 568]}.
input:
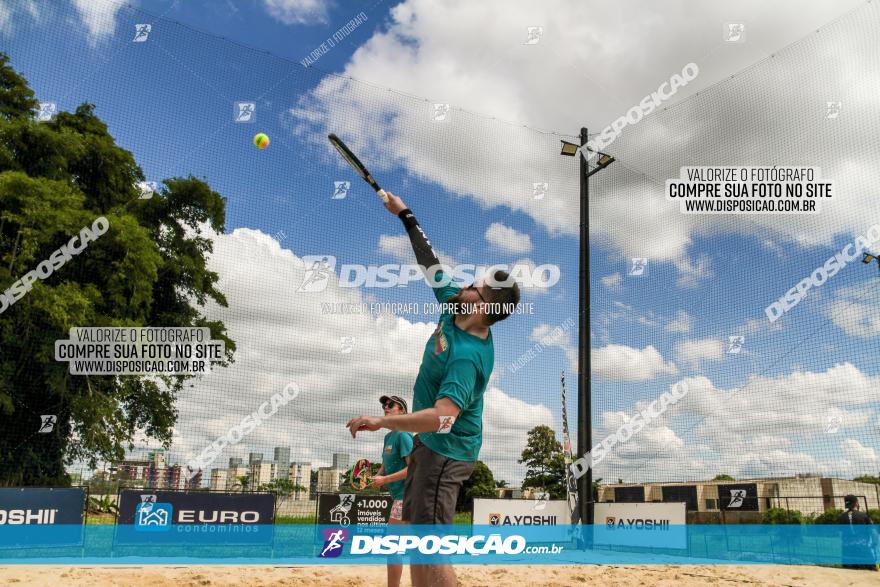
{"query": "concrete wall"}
{"type": "Point", "coordinates": [728, 517]}
{"type": "Point", "coordinates": [871, 491]}
{"type": "Point", "coordinates": [799, 486]}
{"type": "Point", "coordinates": [809, 495]}
{"type": "Point", "coordinates": [806, 495]}
{"type": "Point", "coordinates": [654, 492]}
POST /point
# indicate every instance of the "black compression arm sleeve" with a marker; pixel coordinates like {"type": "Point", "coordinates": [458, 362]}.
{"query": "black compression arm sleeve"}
{"type": "Point", "coordinates": [425, 255]}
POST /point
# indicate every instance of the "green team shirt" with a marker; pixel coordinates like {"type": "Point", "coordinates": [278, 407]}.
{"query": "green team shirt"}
{"type": "Point", "coordinates": [397, 447]}
{"type": "Point", "coordinates": [455, 365]}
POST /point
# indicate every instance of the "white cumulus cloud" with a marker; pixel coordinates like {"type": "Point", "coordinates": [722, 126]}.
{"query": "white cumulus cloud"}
{"type": "Point", "coordinates": [508, 239]}
{"type": "Point", "coordinates": [297, 11]}
{"type": "Point", "coordinates": [623, 363]}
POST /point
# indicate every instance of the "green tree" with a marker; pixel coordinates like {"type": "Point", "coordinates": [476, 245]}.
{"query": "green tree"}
{"type": "Point", "coordinates": [782, 516]}
{"type": "Point", "coordinates": [829, 517]}
{"type": "Point", "coordinates": [242, 482]}
{"type": "Point", "coordinates": [501, 484]}
{"type": "Point", "coordinates": [101, 505]}
{"type": "Point", "coordinates": [101, 483]}
{"type": "Point", "coordinates": [868, 479]}
{"type": "Point", "coordinates": [148, 269]}
{"type": "Point", "coordinates": [481, 483]}
{"type": "Point", "coordinates": [723, 478]}
{"type": "Point", "coordinates": [17, 100]}
{"type": "Point", "coordinates": [545, 462]}
{"type": "Point", "coordinates": [282, 488]}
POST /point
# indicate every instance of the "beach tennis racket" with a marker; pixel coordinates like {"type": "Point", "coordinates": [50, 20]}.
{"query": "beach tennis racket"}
{"type": "Point", "coordinates": [360, 474]}
{"type": "Point", "coordinates": [356, 164]}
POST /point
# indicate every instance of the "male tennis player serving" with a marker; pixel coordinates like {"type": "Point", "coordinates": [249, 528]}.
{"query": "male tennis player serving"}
{"type": "Point", "coordinates": [448, 392]}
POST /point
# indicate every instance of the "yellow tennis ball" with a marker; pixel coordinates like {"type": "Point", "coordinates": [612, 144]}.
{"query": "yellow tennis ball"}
{"type": "Point", "coordinates": [261, 140]}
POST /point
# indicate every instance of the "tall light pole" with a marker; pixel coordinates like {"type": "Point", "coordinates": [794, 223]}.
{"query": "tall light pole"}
{"type": "Point", "coordinates": [585, 422]}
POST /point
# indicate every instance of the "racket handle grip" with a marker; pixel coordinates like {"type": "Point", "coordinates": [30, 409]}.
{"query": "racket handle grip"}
{"type": "Point", "coordinates": [382, 194]}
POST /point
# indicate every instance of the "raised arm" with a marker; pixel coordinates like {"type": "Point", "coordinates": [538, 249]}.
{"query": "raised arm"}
{"type": "Point", "coordinates": [425, 255]}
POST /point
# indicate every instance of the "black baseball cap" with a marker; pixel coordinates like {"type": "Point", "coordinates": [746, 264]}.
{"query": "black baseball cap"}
{"type": "Point", "coordinates": [396, 399]}
{"type": "Point", "coordinates": [850, 500]}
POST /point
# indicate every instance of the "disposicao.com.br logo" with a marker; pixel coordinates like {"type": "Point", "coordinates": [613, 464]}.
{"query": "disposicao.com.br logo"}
{"type": "Point", "coordinates": [334, 542]}
{"type": "Point", "coordinates": [448, 545]}
{"type": "Point", "coordinates": [320, 268]}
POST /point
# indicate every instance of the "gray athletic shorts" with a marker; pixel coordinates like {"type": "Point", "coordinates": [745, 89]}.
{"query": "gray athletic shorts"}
{"type": "Point", "coordinates": [432, 485]}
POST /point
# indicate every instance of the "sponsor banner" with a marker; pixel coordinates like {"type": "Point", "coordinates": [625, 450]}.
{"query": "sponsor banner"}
{"type": "Point", "coordinates": [435, 544]}
{"type": "Point", "coordinates": [36, 508]}
{"type": "Point", "coordinates": [521, 512]}
{"type": "Point", "coordinates": [742, 497]}
{"type": "Point", "coordinates": [300, 544]}
{"type": "Point", "coordinates": [176, 517]}
{"type": "Point", "coordinates": [640, 524]}
{"type": "Point", "coordinates": [351, 509]}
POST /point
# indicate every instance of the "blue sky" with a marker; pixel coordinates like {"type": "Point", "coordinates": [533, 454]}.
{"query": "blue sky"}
{"type": "Point", "coordinates": [761, 412]}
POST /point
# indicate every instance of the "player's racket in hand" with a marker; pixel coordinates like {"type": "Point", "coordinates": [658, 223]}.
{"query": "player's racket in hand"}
{"type": "Point", "coordinates": [356, 164]}
{"type": "Point", "coordinates": [360, 474]}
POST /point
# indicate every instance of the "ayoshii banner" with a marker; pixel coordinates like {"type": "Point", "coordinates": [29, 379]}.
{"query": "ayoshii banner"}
{"type": "Point", "coordinates": [33, 509]}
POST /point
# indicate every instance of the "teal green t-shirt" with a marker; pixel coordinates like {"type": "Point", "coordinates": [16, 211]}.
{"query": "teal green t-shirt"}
{"type": "Point", "coordinates": [456, 365]}
{"type": "Point", "coordinates": [396, 448]}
